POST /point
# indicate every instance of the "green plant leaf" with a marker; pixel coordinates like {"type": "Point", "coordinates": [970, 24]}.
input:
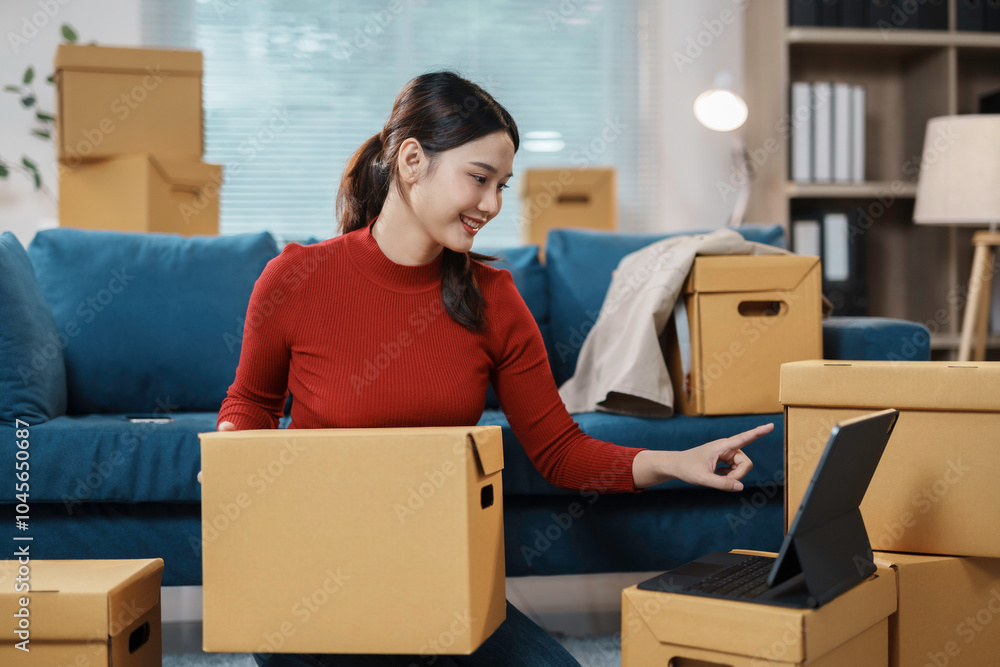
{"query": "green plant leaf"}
{"type": "Point", "coordinates": [50, 78]}
{"type": "Point", "coordinates": [44, 117]}
{"type": "Point", "coordinates": [28, 101]}
{"type": "Point", "coordinates": [29, 165]}
{"type": "Point", "coordinates": [68, 33]}
{"type": "Point", "coordinates": [3, 171]}
{"type": "Point", "coordinates": [44, 134]}
{"type": "Point", "coordinates": [29, 75]}
{"type": "Point", "coordinates": [13, 89]}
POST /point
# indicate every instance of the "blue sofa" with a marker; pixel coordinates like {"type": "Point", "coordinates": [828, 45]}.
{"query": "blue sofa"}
{"type": "Point", "coordinates": [97, 327]}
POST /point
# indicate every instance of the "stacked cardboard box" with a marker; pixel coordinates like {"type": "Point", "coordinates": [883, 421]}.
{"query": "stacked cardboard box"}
{"type": "Point", "coordinates": [80, 612]}
{"type": "Point", "coordinates": [129, 138]}
{"type": "Point", "coordinates": [931, 507]}
{"type": "Point", "coordinates": [585, 198]}
{"type": "Point", "coordinates": [352, 540]}
{"type": "Point", "coordinates": [672, 629]}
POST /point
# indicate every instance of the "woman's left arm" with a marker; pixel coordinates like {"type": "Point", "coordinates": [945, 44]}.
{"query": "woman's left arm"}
{"type": "Point", "coordinates": [558, 448]}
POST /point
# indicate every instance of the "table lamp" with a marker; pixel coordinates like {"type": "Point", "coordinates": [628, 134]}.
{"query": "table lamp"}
{"type": "Point", "coordinates": [960, 185]}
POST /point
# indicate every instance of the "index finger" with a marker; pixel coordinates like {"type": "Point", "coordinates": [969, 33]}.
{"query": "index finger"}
{"type": "Point", "coordinates": [741, 440]}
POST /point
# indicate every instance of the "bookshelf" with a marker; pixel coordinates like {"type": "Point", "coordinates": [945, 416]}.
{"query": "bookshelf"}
{"type": "Point", "coordinates": [914, 272]}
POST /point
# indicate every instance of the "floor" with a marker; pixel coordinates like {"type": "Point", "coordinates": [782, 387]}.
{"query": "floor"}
{"type": "Point", "coordinates": [569, 605]}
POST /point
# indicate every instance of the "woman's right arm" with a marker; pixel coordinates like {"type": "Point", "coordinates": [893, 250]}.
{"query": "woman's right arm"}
{"type": "Point", "coordinates": [256, 399]}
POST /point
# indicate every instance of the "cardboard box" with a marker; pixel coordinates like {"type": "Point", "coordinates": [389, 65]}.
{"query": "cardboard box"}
{"type": "Point", "coordinates": [141, 193]}
{"type": "Point", "coordinates": [568, 197]}
{"type": "Point", "coordinates": [948, 610]}
{"type": "Point", "coordinates": [113, 101]}
{"type": "Point", "coordinates": [352, 540]}
{"type": "Point", "coordinates": [81, 612]}
{"type": "Point", "coordinates": [688, 630]}
{"type": "Point", "coordinates": [746, 315]}
{"type": "Point", "coordinates": [934, 490]}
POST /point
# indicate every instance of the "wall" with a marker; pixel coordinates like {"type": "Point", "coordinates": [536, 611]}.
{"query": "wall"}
{"type": "Point", "coordinates": [687, 44]}
{"type": "Point", "coordinates": [29, 35]}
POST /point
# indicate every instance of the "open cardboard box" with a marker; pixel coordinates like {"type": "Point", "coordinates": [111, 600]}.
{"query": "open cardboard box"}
{"type": "Point", "coordinates": [352, 540]}
{"type": "Point", "coordinates": [81, 612]}
{"type": "Point", "coordinates": [694, 631]}
{"type": "Point", "coordinates": [746, 315]}
{"type": "Point", "coordinates": [935, 490]}
{"type": "Point", "coordinates": [114, 101]}
{"type": "Point", "coordinates": [141, 193]}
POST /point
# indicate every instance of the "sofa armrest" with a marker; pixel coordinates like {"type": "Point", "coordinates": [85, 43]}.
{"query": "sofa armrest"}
{"type": "Point", "coordinates": [875, 339]}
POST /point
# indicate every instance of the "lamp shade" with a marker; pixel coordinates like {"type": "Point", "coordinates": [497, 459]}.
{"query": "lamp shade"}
{"type": "Point", "coordinates": [960, 171]}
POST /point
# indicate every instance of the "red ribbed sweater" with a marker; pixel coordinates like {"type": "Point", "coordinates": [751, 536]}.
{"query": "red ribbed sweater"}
{"type": "Point", "coordinates": [363, 342]}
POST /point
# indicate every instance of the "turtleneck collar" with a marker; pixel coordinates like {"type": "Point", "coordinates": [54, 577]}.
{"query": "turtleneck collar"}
{"type": "Point", "coordinates": [370, 260]}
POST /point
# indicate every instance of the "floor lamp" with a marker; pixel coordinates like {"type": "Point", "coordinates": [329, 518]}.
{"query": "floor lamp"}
{"type": "Point", "coordinates": [722, 110]}
{"type": "Point", "coordinates": [960, 185]}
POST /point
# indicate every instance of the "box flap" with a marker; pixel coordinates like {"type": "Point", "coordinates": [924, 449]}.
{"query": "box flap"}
{"type": "Point", "coordinates": [192, 174]}
{"type": "Point", "coordinates": [753, 629]}
{"type": "Point", "coordinates": [913, 385]}
{"type": "Point", "coordinates": [81, 599]}
{"type": "Point", "coordinates": [748, 273]}
{"type": "Point", "coordinates": [90, 57]}
{"type": "Point", "coordinates": [488, 445]}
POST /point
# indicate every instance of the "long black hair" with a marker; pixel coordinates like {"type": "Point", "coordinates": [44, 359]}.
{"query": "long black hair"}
{"type": "Point", "coordinates": [441, 110]}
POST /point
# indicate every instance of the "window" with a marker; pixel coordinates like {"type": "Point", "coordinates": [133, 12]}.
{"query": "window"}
{"type": "Point", "coordinates": [292, 89]}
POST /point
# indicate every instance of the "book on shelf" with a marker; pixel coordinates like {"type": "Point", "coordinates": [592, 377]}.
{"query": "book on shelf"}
{"type": "Point", "coordinates": [970, 15]}
{"type": "Point", "coordinates": [840, 242]}
{"type": "Point", "coordinates": [827, 137]}
{"type": "Point", "coordinates": [878, 14]}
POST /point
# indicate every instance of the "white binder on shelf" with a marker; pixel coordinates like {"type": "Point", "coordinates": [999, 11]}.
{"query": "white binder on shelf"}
{"type": "Point", "coordinates": [842, 133]}
{"type": "Point", "coordinates": [822, 131]}
{"type": "Point", "coordinates": [801, 140]}
{"type": "Point", "coordinates": [858, 106]}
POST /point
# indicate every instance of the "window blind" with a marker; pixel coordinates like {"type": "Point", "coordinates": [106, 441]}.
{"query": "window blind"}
{"type": "Point", "coordinates": [291, 90]}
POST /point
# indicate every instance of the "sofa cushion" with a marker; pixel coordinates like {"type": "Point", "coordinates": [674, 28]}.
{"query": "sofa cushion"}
{"type": "Point", "coordinates": [875, 339]}
{"type": "Point", "coordinates": [32, 370]}
{"type": "Point", "coordinates": [158, 317]}
{"type": "Point", "coordinates": [107, 458]}
{"type": "Point", "coordinates": [520, 477]}
{"type": "Point", "coordinates": [579, 265]}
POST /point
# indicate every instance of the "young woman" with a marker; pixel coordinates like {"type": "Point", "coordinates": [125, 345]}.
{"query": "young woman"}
{"type": "Point", "coordinates": [402, 277]}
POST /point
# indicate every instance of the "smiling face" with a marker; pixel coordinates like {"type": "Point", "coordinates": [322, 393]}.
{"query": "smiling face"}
{"type": "Point", "coordinates": [462, 190]}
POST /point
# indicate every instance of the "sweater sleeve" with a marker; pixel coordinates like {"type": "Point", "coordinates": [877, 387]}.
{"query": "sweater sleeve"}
{"type": "Point", "coordinates": [256, 398]}
{"type": "Point", "coordinates": [522, 379]}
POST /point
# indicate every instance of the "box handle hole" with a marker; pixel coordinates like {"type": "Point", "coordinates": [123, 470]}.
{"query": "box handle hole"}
{"type": "Point", "coordinates": [138, 638]}
{"type": "Point", "coordinates": [762, 308]}
{"type": "Point", "coordinates": [690, 662]}
{"type": "Point", "coordinates": [486, 496]}
{"type": "Point", "coordinates": [573, 199]}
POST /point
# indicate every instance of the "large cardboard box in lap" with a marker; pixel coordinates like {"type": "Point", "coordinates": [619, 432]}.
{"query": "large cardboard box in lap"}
{"type": "Point", "coordinates": [80, 612]}
{"type": "Point", "coordinates": [352, 540]}
{"type": "Point", "coordinates": [114, 101]}
{"type": "Point", "coordinates": [671, 629]}
{"type": "Point", "coordinates": [935, 490]}
{"type": "Point", "coordinates": [948, 610]}
{"type": "Point", "coordinates": [741, 317]}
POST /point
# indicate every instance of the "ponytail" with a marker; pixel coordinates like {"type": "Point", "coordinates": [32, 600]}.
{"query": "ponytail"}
{"type": "Point", "coordinates": [441, 110]}
{"type": "Point", "coordinates": [363, 187]}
